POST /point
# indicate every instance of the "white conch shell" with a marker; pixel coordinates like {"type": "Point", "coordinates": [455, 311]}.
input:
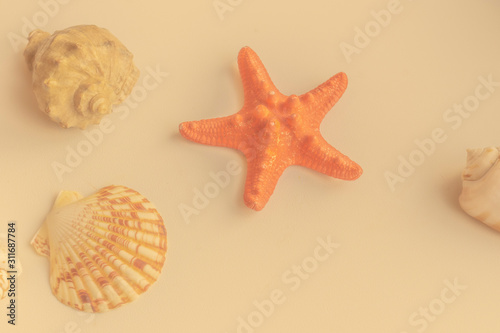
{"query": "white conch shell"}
{"type": "Point", "coordinates": [105, 250]}
{"type": "Point", "coordinates": [480, 197]}
{"type": "Point", "coordinates": [4, 266]}
{"type": "Point", "coordinates": [79, 73]}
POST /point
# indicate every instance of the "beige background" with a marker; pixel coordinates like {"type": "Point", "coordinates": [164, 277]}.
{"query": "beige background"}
{"type": "Point", "coordinates": [400, 248]}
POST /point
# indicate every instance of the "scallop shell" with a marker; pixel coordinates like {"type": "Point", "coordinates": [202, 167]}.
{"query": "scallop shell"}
{"type": "Point", "coordinates": [79, 73]}
{"type": "Point", "coordinates": [104, 250]}
{"type": "Point", "coordinates": [480, 197]}
{"type": "Point", "coordinates": [4, 267]}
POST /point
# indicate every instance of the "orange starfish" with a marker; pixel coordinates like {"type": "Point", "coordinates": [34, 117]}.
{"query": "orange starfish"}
{"type": "Point", "coordinates": [275, 131]}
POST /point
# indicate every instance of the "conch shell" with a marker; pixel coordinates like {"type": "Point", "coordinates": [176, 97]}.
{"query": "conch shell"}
{"type": "Point", "coordinates": [4, 266]}
{"type": "Point", "coordinates": [480, 197]}
{"type": "Point", "coordinates": [104, 250]}
{"type": "Point", "coordinates": [79, 73]}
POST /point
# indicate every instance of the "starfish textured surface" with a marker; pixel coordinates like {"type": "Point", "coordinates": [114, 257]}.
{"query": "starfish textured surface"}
{"type": "Point", "coordinates": [275, 131]}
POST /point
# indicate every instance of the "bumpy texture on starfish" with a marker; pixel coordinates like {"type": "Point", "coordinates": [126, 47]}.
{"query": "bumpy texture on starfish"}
{"type": "Point", "coordinates": [275, 131]}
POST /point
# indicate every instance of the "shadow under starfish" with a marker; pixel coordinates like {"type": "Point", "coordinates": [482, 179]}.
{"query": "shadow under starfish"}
{"type": "Point", "coordinates": [275, 131]}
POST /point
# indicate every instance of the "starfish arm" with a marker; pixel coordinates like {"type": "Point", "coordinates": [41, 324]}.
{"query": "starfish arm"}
{"type": "Point", "coordinates": [322, 98]}
{"type": "Point", "coordinates": [318, 155]}
{"type": "Point", "coordinates": [257, 84]}
{"type": "Point", "coordinates": [221, 131]}
{"type": "Point", "coordinates": [275, 131]}
{"type": "Point", "coordinates": [263, 173]}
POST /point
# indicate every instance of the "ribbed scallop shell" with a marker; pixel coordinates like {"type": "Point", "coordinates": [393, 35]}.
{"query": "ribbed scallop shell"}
{"type": "Point", "coordinates": [105, 250]}
{"type": "Point", "coordinates": [480, 197]}
{"type": "Point", "coordinates": [79, 73]}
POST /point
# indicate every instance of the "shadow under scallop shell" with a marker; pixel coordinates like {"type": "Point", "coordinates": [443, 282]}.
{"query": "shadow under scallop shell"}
{"type": "Point", "coordinates": [105, 250]}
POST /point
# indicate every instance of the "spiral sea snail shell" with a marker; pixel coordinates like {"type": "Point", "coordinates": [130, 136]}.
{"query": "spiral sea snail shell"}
{"type": "Point", "coordinates": [78, 73]}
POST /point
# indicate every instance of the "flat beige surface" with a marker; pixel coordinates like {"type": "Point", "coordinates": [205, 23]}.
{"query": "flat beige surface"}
{"type": "Point", "coordinates": [404, 258]}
